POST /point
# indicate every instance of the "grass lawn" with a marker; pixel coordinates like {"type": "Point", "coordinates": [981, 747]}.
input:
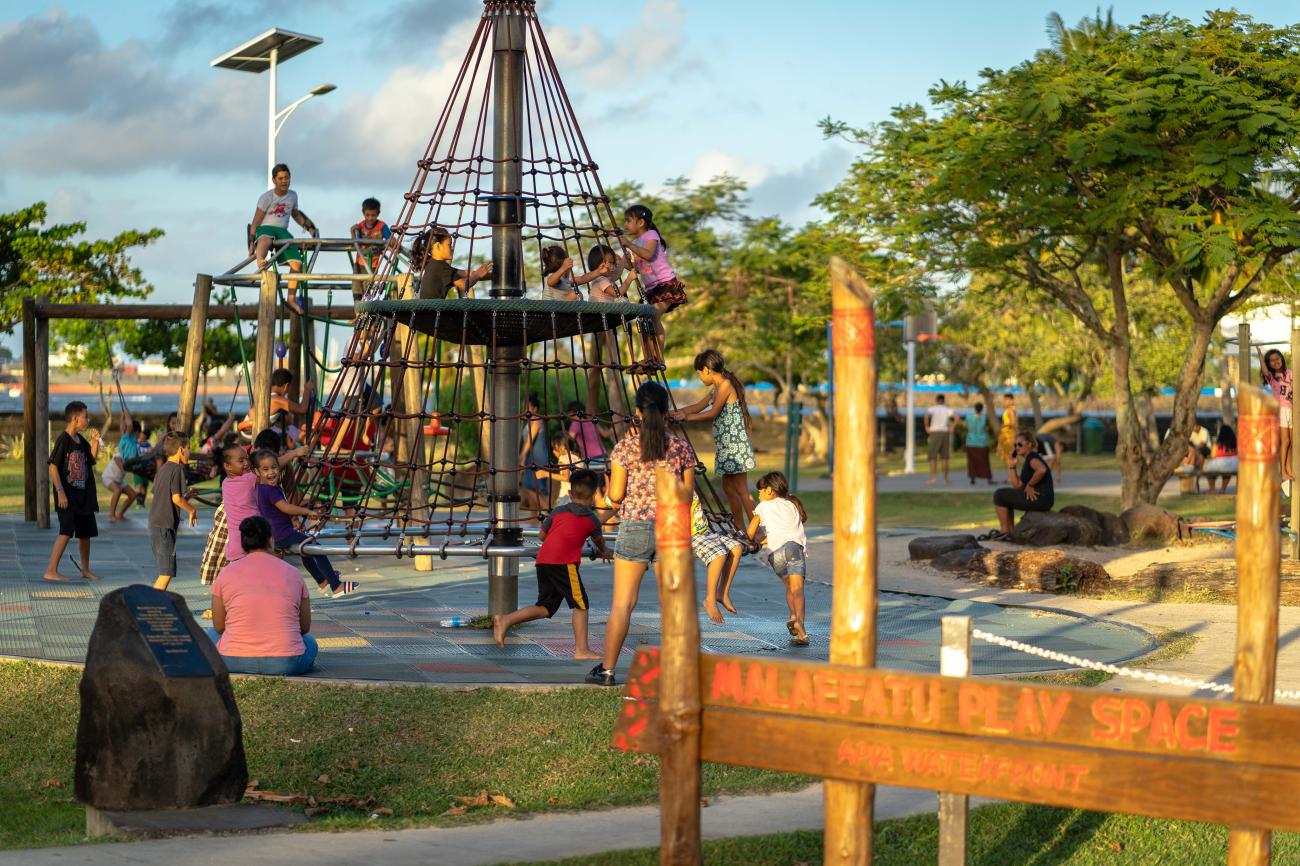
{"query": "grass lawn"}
{"type": "Point", "coordinates": [1000, 835]}
{"type": "Point", "coordinates": [413, 750]}
{"type": "Point", "coordinates": [11, 486]}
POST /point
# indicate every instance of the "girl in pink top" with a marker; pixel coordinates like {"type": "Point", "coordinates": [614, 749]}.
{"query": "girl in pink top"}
{"type": "Point", "coordinates": [1278, 379]}
{"type": "Point", "coordinates": [648, 251]}
{"type": "Point", "coordinates": [239, 491]}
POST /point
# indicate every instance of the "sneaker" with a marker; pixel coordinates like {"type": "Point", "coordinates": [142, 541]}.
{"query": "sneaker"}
{"type": "Point", "coordinates": [345, 587]}
{"type": "Point", "coordinates": [600, 676]}
{"type": "Point", "coordinates": [325, 590]}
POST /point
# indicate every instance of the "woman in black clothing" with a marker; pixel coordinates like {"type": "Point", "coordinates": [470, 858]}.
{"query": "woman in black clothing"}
{"type": "Point", "coordinates": [1031, 490]}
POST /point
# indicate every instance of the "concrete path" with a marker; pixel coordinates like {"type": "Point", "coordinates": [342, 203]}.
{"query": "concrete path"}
{"type": "Point", "coordinates": [1091, 483]}
{"type": "Point", "coordinates": [546, 837]}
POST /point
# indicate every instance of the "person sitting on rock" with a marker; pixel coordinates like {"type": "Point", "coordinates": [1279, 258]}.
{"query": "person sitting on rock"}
{"type": "Point", "coordinates": [1030, 490]}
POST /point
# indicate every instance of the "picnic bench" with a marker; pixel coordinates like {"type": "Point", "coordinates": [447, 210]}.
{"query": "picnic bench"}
{"type": "Point", "coordinates": [1190, 482]}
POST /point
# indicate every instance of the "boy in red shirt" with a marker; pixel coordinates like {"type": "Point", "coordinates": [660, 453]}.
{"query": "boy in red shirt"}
{"type": "Point", "coordinates": [563, 534]}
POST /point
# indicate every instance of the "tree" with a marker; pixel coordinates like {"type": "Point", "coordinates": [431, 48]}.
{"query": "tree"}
{"type": "Point", "coordinates": [1162, 158]}
{"type": "Point", "coordinates": [52, 262]}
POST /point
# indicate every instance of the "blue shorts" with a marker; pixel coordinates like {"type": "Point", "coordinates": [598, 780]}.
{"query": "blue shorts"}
{"type": "Point", "coordinates": [788, 560]}
{"type": "Point", "coordinates": [636, 541]}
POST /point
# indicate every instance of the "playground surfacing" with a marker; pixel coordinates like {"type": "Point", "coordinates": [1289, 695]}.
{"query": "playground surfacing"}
{"type": "Point", "coordinates": [389, 631]}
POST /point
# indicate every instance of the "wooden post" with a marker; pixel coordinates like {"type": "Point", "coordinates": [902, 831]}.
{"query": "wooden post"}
{"type": "Point", "coordinates": [850, 805]}
{"type": "Point", "coordinates": [1243, 354]}
{"type": "Point", "coordinates": [41, 381]}
{"type": "Point", "coordinates": [263, 363]}
{"type": "Point", "coordinates": [679, 689]}
{"type": "Point", "coordinates": [410, 434]}
{"type": "Point", "coordinates": [1259, 552]}
{"type": "Point", "coordinates": [1295, 462]}
{"type": "Point", "coordinates": [29, 409]}
{"type": "Point", "coordinates": [194, 353]}
{"type": "Point", "coordinates": [954, 809]}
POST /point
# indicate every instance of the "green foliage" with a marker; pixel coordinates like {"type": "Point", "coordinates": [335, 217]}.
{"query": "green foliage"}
{"type": "Point", "coordinates": [52, 261]}
{"type": "Point", "coordinates": [167, 340]}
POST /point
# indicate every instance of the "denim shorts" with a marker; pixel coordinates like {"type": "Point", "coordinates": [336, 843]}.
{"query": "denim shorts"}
{"type": "Point", "coordinates": [636, 541]}
{"type": "Point", "coordinates": [163, 541]}
{"type": "Point", "coordinates": [788, 559]}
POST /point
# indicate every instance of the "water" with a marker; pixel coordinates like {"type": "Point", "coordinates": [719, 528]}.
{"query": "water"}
{"type": "Point", "coordinates": [143, 404]}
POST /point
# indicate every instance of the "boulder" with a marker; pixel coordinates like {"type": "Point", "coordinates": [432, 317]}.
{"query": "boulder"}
{"type": "Point", "coordinates": [956, 560]}
{"type": "Point", "coordinates": [1151, 522]}
{"type": "Point", "coordinates": [930, 546]}
{"type": "Point", "coordinates": [1038, 571]}
{"type": "Point", "coordinates": [1048, 528]}
{"type": "Point", "coordinates": [159, 728]}
{"type": "Point", "coordinates": [1113, 531]}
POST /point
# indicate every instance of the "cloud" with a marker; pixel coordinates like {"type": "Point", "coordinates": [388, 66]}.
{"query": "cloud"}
{"type": "Point", "coordinates": [715, 163]}
{"type": "Point", "coordinates": [190, 21]}
{"type": "Point", "coordinates": [788, 193]}
{"type": "Point", "coordinates": [416, 23]}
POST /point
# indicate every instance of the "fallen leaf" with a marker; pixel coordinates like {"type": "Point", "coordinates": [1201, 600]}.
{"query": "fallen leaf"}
{"type": "Point", "coordinates": [323, 779]}
{"type": "Point", "coordinates": [385, 811]}
{"type": "Point", "coordinates": [52, 783]}
{"type": "Point", "coordinates": [503, 801]}
{"type": "Point", "coordinates": [292, 740]}
{"type": "Point", "coordinates": [454, 811]}
{"type": "Point", "coordinates": [479, 800]}
{"type": "Point", "coordinates": [353, 764]}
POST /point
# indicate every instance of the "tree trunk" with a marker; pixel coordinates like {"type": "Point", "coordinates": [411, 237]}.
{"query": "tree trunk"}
{"type": "Point", "coordinates": [1036, 405]}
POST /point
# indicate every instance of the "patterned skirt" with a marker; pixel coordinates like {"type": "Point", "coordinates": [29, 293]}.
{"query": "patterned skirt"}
{"type": "Point", "coordinates": [671, 292]}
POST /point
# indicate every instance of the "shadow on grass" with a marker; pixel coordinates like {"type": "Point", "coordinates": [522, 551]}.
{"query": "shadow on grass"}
{"type": "Point", "coordinates": [1040, 837]}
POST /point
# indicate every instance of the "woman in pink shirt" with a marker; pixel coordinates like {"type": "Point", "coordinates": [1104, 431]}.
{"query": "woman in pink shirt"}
{"type": "Point", "coordinates": [260, 610]}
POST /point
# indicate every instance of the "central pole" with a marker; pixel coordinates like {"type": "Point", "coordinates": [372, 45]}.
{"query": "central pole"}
{"type": "Point", "coordinates": [506, 217]}
{"type": "Point", "coordinates": [270, 113]}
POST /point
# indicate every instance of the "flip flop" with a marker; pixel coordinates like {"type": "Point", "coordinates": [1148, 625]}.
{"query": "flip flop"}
{"type": "Point", "coordinates": [789, 626]}
{"type": "Point", "coordinates": [799, 641]}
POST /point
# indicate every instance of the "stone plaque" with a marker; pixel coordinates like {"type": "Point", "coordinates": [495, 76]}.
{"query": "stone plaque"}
{"type": "Point", "coordinates": [168, 637]}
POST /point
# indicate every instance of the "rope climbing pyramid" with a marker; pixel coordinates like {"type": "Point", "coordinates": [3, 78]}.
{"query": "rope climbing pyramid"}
{"type": "Point", "coordinates": [450, 400]}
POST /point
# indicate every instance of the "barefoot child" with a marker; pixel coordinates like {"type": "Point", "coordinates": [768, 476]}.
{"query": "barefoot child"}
{"type": "Point", "coordinates": [648, 251]}
{"type": "Point", "coordinates": [170, 498]}
{"type": "Point", "coordinates": [721, 557]}
{"type": "Point", "coordinates": [566, 459]}
{"type": "Point", "coordinates": [1277, 378]}
{"type": "Point", "coordinates": [279, 512]}
{"type": "Point", "coordinates": [781, 516]}
{"type": "Point", "coordinates": [371, 228]}
{"type": "Point", "coordinates": [725, 407]}
{"type": "Point", "coordinates": [72, 472]}
{"type": "Point", "coordinates": [114, 476]}
{"type": "Point", "coordinates": [270, 223]}
{"type": "Point", "coordinates": [563, 534]}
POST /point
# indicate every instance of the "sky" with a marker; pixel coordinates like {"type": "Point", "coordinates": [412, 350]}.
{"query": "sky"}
{"type": "Point", "coordinates": [110, 112]}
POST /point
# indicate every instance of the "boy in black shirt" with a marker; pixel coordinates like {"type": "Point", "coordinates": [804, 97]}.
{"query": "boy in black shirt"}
{"type": "Point", "coordinates": [431, 251]}
{"type": "Point", "coordinates": [170, 498]}
{"type": "Point", "coordinates": [72, 472]}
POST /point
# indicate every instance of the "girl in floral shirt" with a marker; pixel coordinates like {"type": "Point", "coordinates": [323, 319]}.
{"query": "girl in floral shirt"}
{"type": "Point", "coordinates": [632, 490]}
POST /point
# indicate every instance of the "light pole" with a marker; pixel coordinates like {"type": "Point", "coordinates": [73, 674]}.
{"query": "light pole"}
{"type": "Point", "coordinates": [265, 53]}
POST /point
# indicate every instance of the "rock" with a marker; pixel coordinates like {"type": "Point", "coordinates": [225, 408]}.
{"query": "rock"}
{"type": "Point", "coordinates": [1113, 531]}
{"type": "Point", "coordinates": [1151, 522]}
{"type": "Point", "coordinates": [147, 738]}
{"type": "Point", "coordinates": [956, 560]}
{"type": "Point", "coordinates": [930, 546]}
{"type": "Point", "coordinates": [1038, 571]}
{"type": "Point", "coordinates": [1047, 528]}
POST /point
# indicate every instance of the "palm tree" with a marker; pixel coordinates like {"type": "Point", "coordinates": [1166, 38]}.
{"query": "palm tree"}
{"type": "Point", "coordinates": [1084, 36]}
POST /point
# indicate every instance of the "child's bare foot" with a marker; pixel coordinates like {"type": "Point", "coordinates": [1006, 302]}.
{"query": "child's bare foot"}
{"type": "Point", "coordinates": [499, 631]}
{"type": "Point", "coordinates": [54, 576]}
{"type": "Point", "coordinates": [726, 603]}
{"type": "Point", "coordinates": [800, 637]}
{"type": "Point", "coordinates": [291, 301]}
{"type": "Point", "coordinates": [113, 518]}
{"type": "Point", "coordinates": [711, 608]}
{"type": "Point", "coordinates": [586, 654]}
{"type": "Point", "coordinates": [89, 575]}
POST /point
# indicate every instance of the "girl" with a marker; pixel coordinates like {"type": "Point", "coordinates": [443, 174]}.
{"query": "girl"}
{"type": "Point", "coordinates": [114, 476]}
{"type": "Point", "coordinates": [781, 517]}
{"type": "Point", "coordinates": [725, 406]}
{"type": "Point", "coordinates": [558, 281]}
{"type": "Point", "coordinates": [602, 262]}
{"type": "Point", "coordinates": [1031, 490]}
{"type": "Point", "coordinates": [532, 456]}
{"type": "Point", "coordinates": [1277, 377]}
{"type": "Point", "coordinates": [1007, 433]}
{"type": "Point", "coordinates": [567, 458]}
{"type": "Point", "coordinates": [648, 251]}
{"type": "Point", "coordinates": [977, 445]}
{"type": "Point", "coordinates": [632, 491]}
{"type": "Point", "coordinates": [279, 512]}
{"type": "Point", "coordinates": [239, 491]}
{"type": "Point", "coordinates": [1223, 459]}
{"type": "Point", "coordinates": [271, 218]}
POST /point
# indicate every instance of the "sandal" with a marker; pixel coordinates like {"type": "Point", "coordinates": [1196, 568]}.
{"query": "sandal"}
{"type": "Point", "coordinates": [789, 626]}
{"type": "Point", "coordinates": [799, 641]}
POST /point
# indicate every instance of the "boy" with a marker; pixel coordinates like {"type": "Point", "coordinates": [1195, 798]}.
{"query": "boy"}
{"type": "Point", "coordinates": [432, 251]}
{"type": "Point", "coordinates": [72, 465]}
{"type": "Point", "coordinates": [281, 379]}
{"type": "Point", "coordinates": [563, 534]}
{"type": "Point", "coordinates": [170, 498]}
{"type": "Point", "coordinates": [371, 228]}
{"type": "Point", "coordinates": [721, 557]}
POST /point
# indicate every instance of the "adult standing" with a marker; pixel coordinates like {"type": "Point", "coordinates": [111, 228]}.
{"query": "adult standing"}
{"type": "Point", "coordinates": [938, 428]}
{"type": "Point", "coordinates": [261, 613]}
{"type": "Point", "coordinates": [1031, 489]}
{"type": "Point", "coordinates": [632, 490]}
{"type": "Point", "coordinates": [271, 218]}
{"type": "Point", "coordinates": [1007, 432]}
{"type": "Point", "coordinates": [977, 445]}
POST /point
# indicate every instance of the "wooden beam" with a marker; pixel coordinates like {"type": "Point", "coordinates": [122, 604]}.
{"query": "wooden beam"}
{"type": "Point", "coordinates": [41, 383]}
{"type": "Point", "coordinates": [850, 806]}
{"type": "Point", "coordinates": [165, 312]}
{"type": "Point", "coordinates": [954, 809]}
{"type": "Point", "coordinates": [679, 690]}
{"type": "Point", "coordinates": [1259, 565]}
{"type": "Point", "coordinates": [264, 354]}
{"type": "Point", "coordinates": [29, 409]}
{"type": "Point", "coordinates": [194, 353]}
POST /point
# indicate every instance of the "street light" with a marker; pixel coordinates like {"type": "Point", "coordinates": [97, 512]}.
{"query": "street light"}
{"type": "Point", "coordinates": [265, 53]}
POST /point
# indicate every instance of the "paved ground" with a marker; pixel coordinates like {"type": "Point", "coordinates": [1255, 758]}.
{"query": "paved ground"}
{"type": "Point", "coordinates": [389, 631]}
{"type": "Point", "coordinates": [1093, 483]}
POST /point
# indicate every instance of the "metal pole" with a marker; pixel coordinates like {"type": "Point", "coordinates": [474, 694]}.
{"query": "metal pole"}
{"type": "Point", "coordinates": [909, 450]}
{"type": "Point", "coordinates": [29, 409]}
{"type": "Point", "coordinates": [270, 113]}
{"type": "Point", "coordinates": [954, 661]}
{"type": "Point", "coordinates": [506, 217]}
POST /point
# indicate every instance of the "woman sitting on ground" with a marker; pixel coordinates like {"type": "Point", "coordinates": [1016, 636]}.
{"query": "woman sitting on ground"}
{"type": "Point", "coordinates": [261, 612]}
{"type": "Point", "coordinates": [1030, 490]}
{"type": "Point", "coordinates": [1223, 459]}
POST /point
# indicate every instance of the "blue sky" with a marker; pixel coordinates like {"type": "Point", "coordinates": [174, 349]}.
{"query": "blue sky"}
{"type": "Point", "coordinates": [110, 112]}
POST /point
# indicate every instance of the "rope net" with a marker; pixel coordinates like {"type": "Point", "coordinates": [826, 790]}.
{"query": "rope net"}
{"type": "Point", "coordinates": [426, 435]}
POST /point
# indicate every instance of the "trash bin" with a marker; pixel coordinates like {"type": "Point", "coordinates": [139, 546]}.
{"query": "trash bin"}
{"type": "Point", "coordinates": [1094, 432]}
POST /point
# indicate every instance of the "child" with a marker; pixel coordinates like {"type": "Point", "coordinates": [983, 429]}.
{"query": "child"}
{"type": "Point", "coordinates": [721, 557]}
{"type": "Point", "coordinates": [431, 255]}
{"type": "Point", "coordinates": [567, 459]}
{"type": "Point", "coordinates": [781, 516]}
{"type": "Point", "coordinates": [114, 476]}
{"type": "Point", "coordinates": [563, 534]}
{"type": "Point", "coordinates": [239, 491]}
{"type": "Point", "coordinates": [1277, 377]}
{"type": "Point", "coordinates": [283, 412]}
{"type": "Point", "coordinates": [730, 415]}
{"type": "Point", "coordinates": [72, 465]}
{"type": "Point", "coordinates": [277, 510]}
{"type": "Point", "coordinates": [558, 281]}
{"type": "Point", "coordinates": [588, 434]}
{"type": "Point", "coordinates": [535, 451]}
{"type": "Point", "coordinates": [601, 264]}
{"type": "Point", "coordinates": [270, 222]}
{"type": "Point", "coordinates": [371, 228]}
{"type": "Point", "coordinates": [648, 251]}
{"type": "Point", "coordinates": [170, 498]}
